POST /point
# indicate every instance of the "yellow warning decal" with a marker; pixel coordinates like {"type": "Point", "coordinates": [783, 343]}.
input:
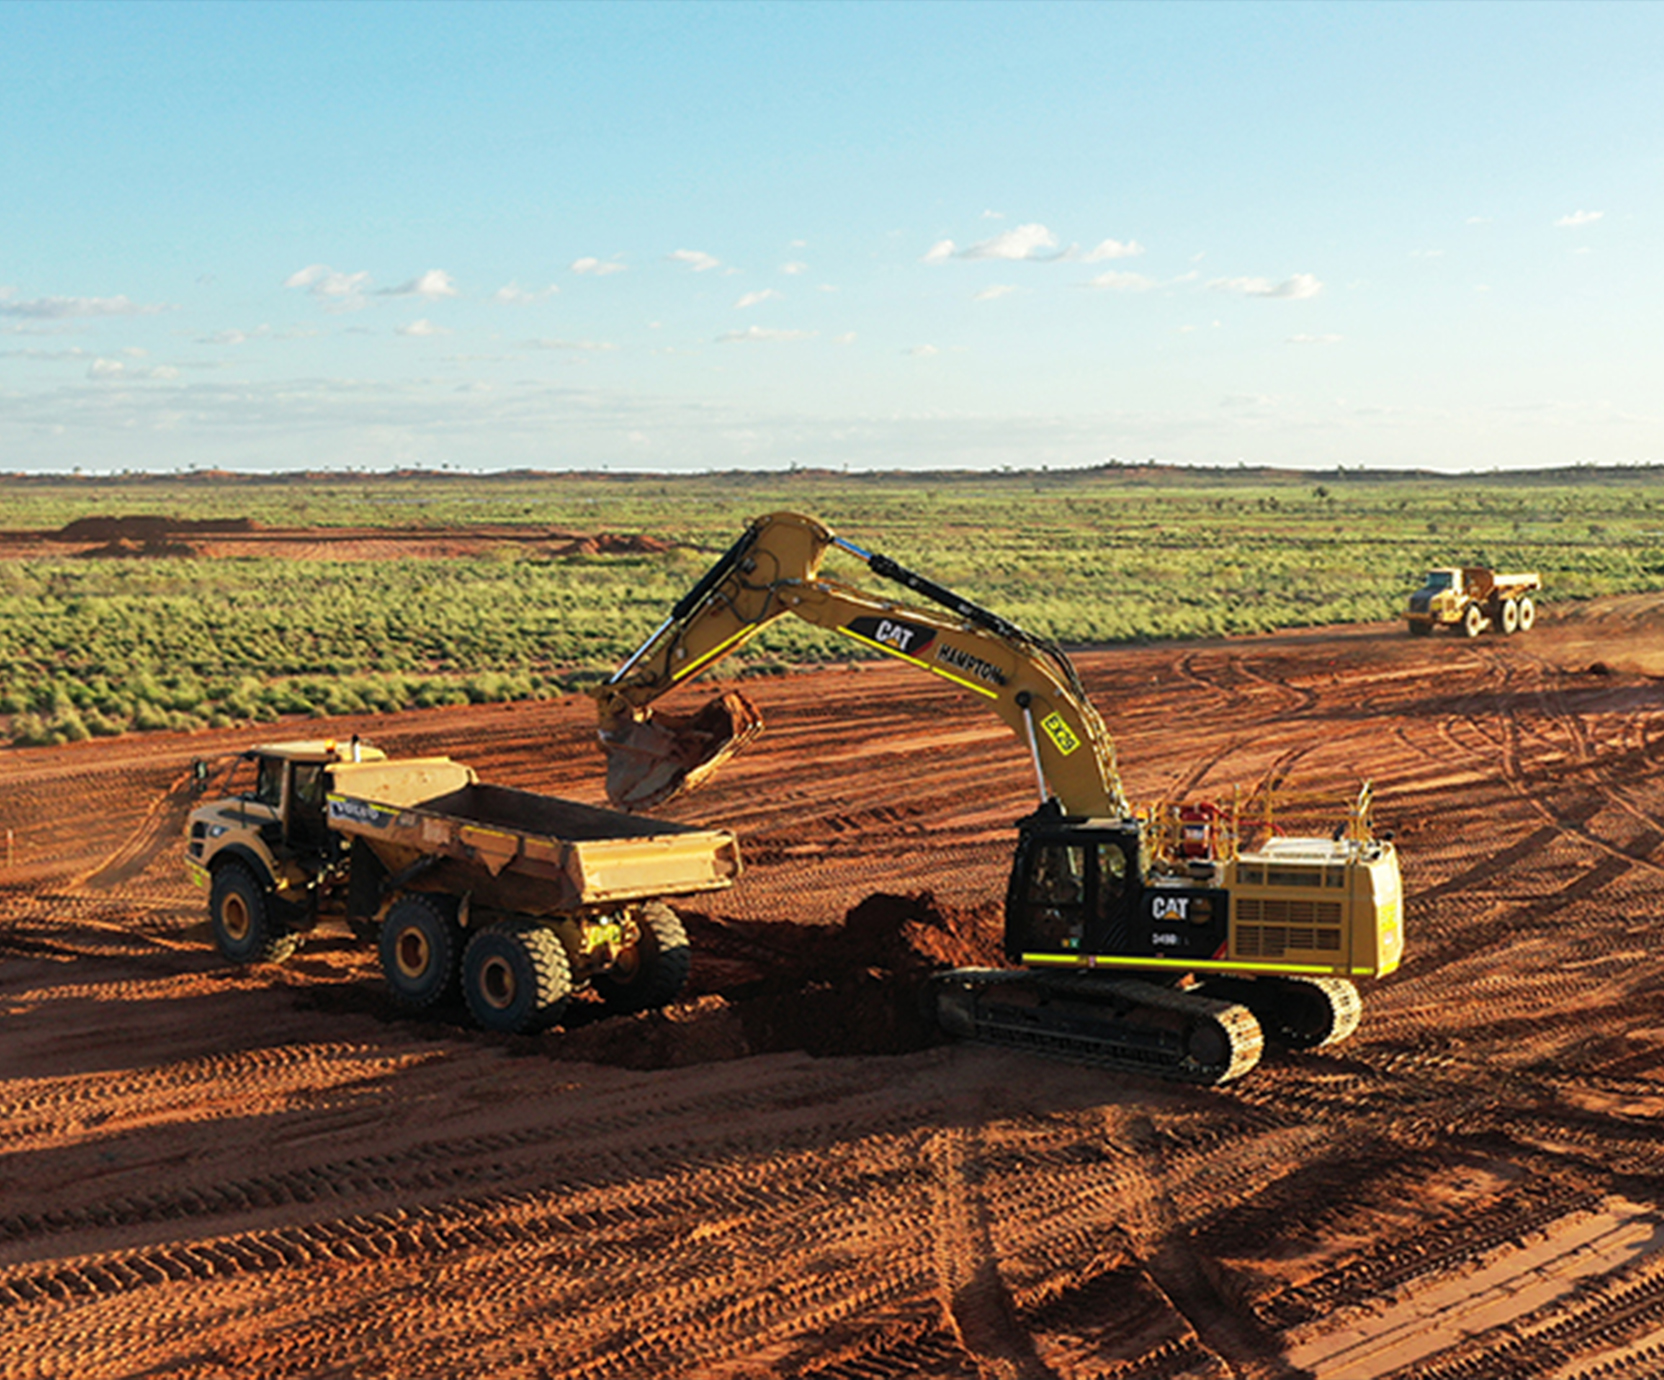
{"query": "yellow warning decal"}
{"type": "Point", "coordinates": [1060, 733]}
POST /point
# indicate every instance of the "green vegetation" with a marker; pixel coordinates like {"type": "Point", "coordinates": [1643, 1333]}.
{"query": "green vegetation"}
{"type": "Point", "coordinates": [1121, 553]}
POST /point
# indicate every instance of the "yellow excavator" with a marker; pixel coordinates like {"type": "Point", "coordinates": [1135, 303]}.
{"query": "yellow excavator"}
{"type": "Point", "coordinates": [1169, 940]}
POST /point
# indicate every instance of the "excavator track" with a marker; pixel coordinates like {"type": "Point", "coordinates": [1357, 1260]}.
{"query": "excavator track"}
{"type": "Point", "coordinates": [1293, 1011]}
{"type": "Point", "coordinates": [1120, 1023]}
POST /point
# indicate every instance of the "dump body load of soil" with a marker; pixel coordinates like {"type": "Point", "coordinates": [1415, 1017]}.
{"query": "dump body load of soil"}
{"type": "Point", "coordinates": [215, 1172]}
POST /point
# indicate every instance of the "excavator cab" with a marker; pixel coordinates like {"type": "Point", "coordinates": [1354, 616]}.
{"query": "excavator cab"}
{"type": "Point", "coordinates": [1081, 893]}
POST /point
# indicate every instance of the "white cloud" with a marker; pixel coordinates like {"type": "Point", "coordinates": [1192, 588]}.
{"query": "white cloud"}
{"type": "Point", "coordinates": [847, 338]}
{"type": "Point", "coordinates": [433, 285]}
{"type": "Point", "coordinates": [588, 346]}
{"type": "Point", "coordinates": [1301, 285]}
{"type": "Point", "coordinates": [75, 352]}
{"type": "Point", "coordinates": [696, 259]}
{"type": "Point", "coordinates": [1115, 281]}
{"type": "Point", "coordinates": [1113, 249]}
{"type": "Point", "coordinates": [512, 294]}
{"type": "Point", "coordinates": [235, 337]}
{"type": "Point", "coordinates": [1025, 242]}
{"type": "Point", "coordinates": [751, 299]}
{"type": "Point", "coordinates": [1578, 218]}
{"type": "Point", "coordinates": [62, 308]}
{"type": "Point", "coordinates": [597, 267]}
{"type": "Point", "coordinates": [421, 327]}
{"type": "Point", "coordinates": [938, 253]}
{"type": "Point", "coordinates": [1315, 339]}
{"type": "Point", "coordinates": [922, 351]}
{"type": "Point", "coordinates": [794, 268]}
{"type": "Point", "coordinates": [988, 294]}
{"type": "Point", "coordinates": [102, 368]}
{"type": "Point", "coordinates": [1427, 253]}
{"type": "Point", "coordinates": [761, 333]}
{"type": "Point", "coordinates": [993, 215]}
{"type": "Point", "coordinates": [323, 281]}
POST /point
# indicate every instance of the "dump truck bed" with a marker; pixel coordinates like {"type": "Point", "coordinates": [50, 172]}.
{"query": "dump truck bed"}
{"type": "Point", "coordinates": [535, 854]}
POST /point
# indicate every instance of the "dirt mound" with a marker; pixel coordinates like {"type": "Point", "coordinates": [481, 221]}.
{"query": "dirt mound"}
{"type": "Point", "coordinates": [123, 548]}
{"type": "Point", "coordinates": [855, 989]}
{"type": "Point", "coordinates": [612, 544]}
{"type": "Point", "coordinates": [147, 528]}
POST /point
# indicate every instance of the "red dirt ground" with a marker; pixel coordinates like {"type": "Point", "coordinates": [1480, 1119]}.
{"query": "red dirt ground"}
{"type": "Point", "coordinates": [212, 1172]}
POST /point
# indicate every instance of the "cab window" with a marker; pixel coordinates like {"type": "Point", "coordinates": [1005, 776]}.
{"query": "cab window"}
{"type": "Point", "coordinates": [1057, 896]}
{"type": "Point", "coordinates": [268, 784]}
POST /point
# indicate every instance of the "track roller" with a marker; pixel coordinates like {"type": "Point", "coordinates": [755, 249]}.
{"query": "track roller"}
{"type": "Point", "coordinates": [1121, 1023]}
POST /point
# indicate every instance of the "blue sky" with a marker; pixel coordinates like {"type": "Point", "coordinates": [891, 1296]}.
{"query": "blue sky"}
{"type": "Point", "coordinates": [695, 236]}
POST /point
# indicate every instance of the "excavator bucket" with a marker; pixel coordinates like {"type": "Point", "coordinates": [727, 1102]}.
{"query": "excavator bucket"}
{"type": "Point", "coordinates": [661, 755]}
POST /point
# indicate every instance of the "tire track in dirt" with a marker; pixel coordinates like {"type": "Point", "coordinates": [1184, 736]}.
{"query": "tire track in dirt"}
{"type": "Point", "coordinates": [973, 1292]}
{"type": "Point", "coordinates": [783, 1215]}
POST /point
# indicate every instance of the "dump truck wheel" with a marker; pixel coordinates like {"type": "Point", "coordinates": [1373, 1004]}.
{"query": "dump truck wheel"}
{"type": "Point", "coordinates": [1528, 613]}
{"type": "Point", "coordinates": [516, 977]}
{"type": "Point", "coordinates": [1510, 616]}
{"type": "Point", "coordinates": [1473, 621]}
{"type": "Point", "coordinates": [654, 970]}
{"type": "Point", "coordinates": [245, 921]}
{"type": "Point", "coordinates": [421, 951]}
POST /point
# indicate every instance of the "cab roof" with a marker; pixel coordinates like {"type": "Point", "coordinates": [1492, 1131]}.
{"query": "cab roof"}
{"type": "Point", "coordinates": [317, 750]}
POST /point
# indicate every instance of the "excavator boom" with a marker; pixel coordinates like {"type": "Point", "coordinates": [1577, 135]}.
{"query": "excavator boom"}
{"type": "Point", "coordinates": [774, 570]}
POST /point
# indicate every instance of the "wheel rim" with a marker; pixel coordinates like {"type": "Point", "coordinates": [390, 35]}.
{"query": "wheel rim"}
{"type": "Point", "coordinates": [234, 917]}
{"type": "Point", "coordinates": [496, 983]}
{"type": "Point", "coordinates": [413, 954]}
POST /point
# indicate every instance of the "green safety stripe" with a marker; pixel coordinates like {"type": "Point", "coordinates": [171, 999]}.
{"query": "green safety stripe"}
{"type": "Point", "coordinates": [1182, 965]}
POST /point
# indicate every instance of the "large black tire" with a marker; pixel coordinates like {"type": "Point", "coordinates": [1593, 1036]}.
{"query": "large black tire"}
{"type": "Point", "coordinates": [653, 971]}
{"type": "Point", "coordinates": [516, 977]}
{"type": "Point", "coordinates": [1510, 617]}
{"type": "Point", "coordinates": [247, 921]}
{"type": "Point", "coordinates": [1473, 621]}
{"type": "Point", "coordinates": [1528, 613]}
{"type": "Point", "coordinates": [421, 950]}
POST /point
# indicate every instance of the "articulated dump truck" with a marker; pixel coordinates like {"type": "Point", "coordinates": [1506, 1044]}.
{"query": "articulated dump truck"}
{"type": "Point", "coordinates": [514, 900]}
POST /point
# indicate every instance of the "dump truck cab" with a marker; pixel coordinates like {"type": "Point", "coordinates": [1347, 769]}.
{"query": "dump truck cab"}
{"type": "Point", "coordinates": [277, 825]}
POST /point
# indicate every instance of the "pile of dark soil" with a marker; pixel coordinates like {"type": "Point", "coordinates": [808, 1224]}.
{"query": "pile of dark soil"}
{"type": "Point", "coordinates": [856, 989]}
{"type": "Point", "coordinates": [122, 548]}
{"type": "Point", "coordinates": [146, 529]}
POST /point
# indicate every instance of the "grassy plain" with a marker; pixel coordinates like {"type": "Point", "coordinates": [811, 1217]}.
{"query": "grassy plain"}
{"type": "Point", "coordinates": [1115, 554]}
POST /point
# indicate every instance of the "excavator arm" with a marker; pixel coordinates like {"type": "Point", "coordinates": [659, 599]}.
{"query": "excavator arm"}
{"type": "Point", "coordinates": [774, 571]}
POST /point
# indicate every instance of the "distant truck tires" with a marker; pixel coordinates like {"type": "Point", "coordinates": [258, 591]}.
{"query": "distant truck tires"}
{"type": "Point", "coordinates": [515, 977]}
{"type": "Point", "coordinates": [1473, 621]}
{"type": "Point", "coordinates": [421, 950]}
{"type": "Point", "coordinates": [248, 926]}
{"type": "Point", "coordinates": [1527, 614]}
{"type": "Point", "coordinates": [653, 971]}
